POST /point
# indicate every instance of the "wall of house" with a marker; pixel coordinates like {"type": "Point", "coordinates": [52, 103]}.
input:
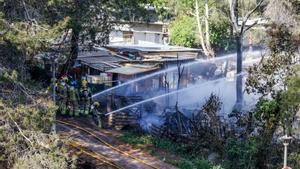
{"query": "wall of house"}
{"type": "Point", "coordinates": [139, 34]}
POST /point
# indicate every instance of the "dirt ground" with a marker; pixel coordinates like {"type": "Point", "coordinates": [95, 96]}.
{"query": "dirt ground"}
{"type": "Point", "coordinates": [89, 143]}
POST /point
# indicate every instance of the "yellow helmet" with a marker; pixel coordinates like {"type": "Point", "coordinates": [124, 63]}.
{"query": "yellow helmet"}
{"type": "Point", "coordinates": [84, 83]}
{"type": "Point", "coordinates": [97, 104]}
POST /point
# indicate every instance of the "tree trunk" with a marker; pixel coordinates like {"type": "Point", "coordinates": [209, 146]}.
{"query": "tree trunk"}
{"type": "Point", "coordinates": [239, 78]}
{"type": "Point", "coordinates": [74, 46]}
{"type": "Point", "coordinates": [74, 51]}
{"type": "Point", "coordinates": [200, 32]}
{"type": "Point", "coordinates": [207, 32]}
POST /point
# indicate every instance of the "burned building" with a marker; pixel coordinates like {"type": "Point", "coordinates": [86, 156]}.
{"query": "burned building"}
{"type": "Point", "coordinates": [137, 73]}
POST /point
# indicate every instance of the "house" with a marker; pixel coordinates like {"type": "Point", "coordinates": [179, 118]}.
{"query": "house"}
{"type": "Point", "coordinates": [94, 64]}
{"type": "Point", "coordinates": [117, 64]}
{"type": "Point", "coordinates": [139, 33]}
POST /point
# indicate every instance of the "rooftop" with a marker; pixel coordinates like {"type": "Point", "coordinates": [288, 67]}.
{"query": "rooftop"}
{"type": "Point", "coordinates": [132, 69]}
{"type": "Point", "coordinates": [152, 48]}
{"type": "Point", "coordinates": [100, 60]}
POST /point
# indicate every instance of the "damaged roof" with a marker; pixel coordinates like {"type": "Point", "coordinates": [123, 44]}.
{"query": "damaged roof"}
{"type": "Point", "coordinates": [132, 69]}
{"type": "Point", "coordinates": [100, 60]}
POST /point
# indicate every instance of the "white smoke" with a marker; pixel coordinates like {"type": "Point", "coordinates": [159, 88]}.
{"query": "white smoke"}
{"type": "Point", "coordinates": [195, 94]}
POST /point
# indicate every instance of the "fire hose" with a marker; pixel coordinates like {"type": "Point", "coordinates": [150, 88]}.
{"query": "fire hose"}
{"type": "Point", "coordinates": [105, 143]}
{"type": "Point", "coordinates": [94, 155]}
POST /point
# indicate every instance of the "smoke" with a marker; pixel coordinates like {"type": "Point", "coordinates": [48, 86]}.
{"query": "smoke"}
{"type": "Point", "coordinates": [150, 119]}
{"type": "Point", "coordinates": [214, 76]}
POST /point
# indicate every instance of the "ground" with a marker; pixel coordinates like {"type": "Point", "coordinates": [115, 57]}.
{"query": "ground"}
{"type": "Point", "coordinates": [124, 159]}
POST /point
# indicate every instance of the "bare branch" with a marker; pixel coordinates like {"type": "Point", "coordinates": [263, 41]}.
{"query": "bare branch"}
{"type": "Point", "coordinates": [26, 11]}
{"type": "Point", "coordinates": [20, 130]}
{"type": "Point", "coordinates": [245, 19]}
{"type": "Point", "coordinates": [252, 11]}
{"type": "Point", "coordinates": [249, 27]}
{"type": "Point", "coordinates": [233, 15]}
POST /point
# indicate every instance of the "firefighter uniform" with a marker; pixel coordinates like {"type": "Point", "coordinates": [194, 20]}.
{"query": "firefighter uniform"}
{"type": "Point", "coordinates": [73, 100]}
{"type": "Point", "coordinates": [85, 97]}
{"type": "Point", "coordinates": [62, 97]}
{"type": "Point", "coordinates": [96, 114]}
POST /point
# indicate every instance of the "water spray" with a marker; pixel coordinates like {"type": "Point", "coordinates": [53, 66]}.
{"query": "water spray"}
{"type": "Point", "coordinates": [173, 68]}
{"type": "Point", "coordinates": [171, 93]}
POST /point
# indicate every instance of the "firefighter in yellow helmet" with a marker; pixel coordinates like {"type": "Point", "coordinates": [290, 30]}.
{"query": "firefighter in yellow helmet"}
{"type": "Point", "coordinates": [85, 97]}
{"type": "Point", "coordinates": [96, 114]}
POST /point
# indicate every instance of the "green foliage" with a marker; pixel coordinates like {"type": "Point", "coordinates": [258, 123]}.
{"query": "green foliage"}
{"type": "Point", "coordinates": [140, 139]}
{"type": "Point", "coordinates": [197, 164]}
{"type": "Point", "coordinates": [290, 100]}
{"type": "Point", "coordinates": [26, 119]}
{"type": "Point", "coordinates": [294, 159]}
{"type": "Point", "coordinates": [241, 153]}
{"type": "Point", "coordinates": [162, 8]}
{"type": "Point", "coordinates": [183, 31]}
{"type": "Point", "coordinates": [182, 150]}
{"type": "Point", "coordinates": [136, 139]}
{"type": "Point", "coordinates": [50, 160]}
{"type": "Point", "coordinates": [267, 113]}
{"type": "Point", "coordinates": [190, 159]}
{"type": "Point", "coordinates": [268, 77]}
{"type": "Point", "coordinates": [202, 164]}
{"type": "Point", "coordinates": [25, 139]}
{"type": "Point", "coordinates": [280, 111]}
{"type": "Point", "coordinates": [184, 28]}
{"type": "Point", "coordinates": [185, 165]}
{"type": "Point", "coordinates": [220, 37]}
{"type": "Point", "coordinates": [30, 41]}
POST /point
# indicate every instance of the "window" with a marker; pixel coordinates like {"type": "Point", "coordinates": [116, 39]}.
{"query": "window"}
{"type": "Point", "coordinates": [157, 38]}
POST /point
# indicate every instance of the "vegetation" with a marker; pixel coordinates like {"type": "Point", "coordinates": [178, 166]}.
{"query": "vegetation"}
{"type": "Point", "coordinates": [25, 128]}
{"type": "Point", "coordinates": [183, 32]}
{"type": "Point", "coordinates": [241, 153]}
{"type": "Point", "coordinates": [29, 29]}
{"type": "Point", "coordinates": [217, 32]}
{"type": "Point", "coordinates": [187, 158]}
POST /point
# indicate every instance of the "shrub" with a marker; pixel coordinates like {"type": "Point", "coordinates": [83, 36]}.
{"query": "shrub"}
{"type": "Point", "coordinates": [183, 31]}
{"type": "Point", "coordinates": [294, 159]}
{"type": "Point", "coordinates": [241, 153]}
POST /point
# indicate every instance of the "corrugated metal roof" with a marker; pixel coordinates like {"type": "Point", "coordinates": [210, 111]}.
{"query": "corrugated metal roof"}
{"type": "Point", "coordinates": [100, 66]}
{"type": "Point", "coordinates": [97, 59]}
{"type": "Point", "coordinates": [153, 48]}
{"type": "Point", "coordinates": [133, 69]}
{"type": "Point", "coordinates": [102, 52]}
{"type": "Point", "coordinates": [101, 63]}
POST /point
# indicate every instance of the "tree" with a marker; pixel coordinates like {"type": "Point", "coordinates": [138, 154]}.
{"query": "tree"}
{"type": "Point", "coordinates": [200, 11]}
{"type": "Point", "coordinates": [183, 32]}
{"type": "Point", "coordinates": [205, 44]}
{"type": "Point", "coordinates": [276, 79]}
{"type": "Point", "coordinates": [84, 17]}
{"type": "Point", "coordinates": [26, 33]}
{"type": "Point", "coordinates": [240, 30]}
{"type": "Point", "coordinates": [92, 20]}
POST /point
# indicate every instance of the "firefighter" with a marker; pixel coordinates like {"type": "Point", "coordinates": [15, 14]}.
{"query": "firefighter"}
{"type": "Point", "coordinates": [85, 97]}
{"type": "Point", "coordinates": [96, 114]}
{"type": "Point", "coordinates": [62, 96]}
{"type": "Point", "coordinates": [73, 100]}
